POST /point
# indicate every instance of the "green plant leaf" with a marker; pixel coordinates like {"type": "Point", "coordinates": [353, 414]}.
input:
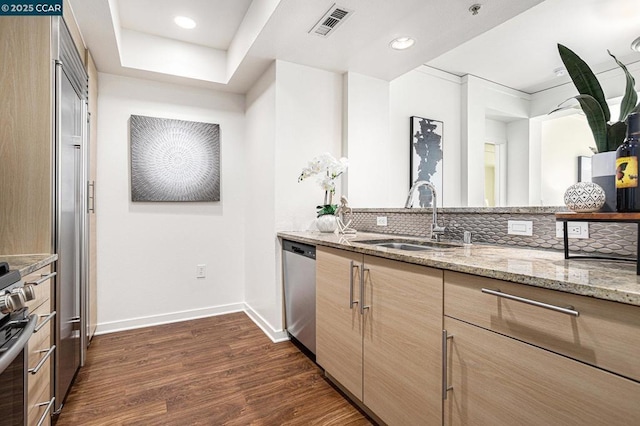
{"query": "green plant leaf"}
{"type": "Point", "coordinates": [596, 120]}
{"type": "Point", "coordinates": [630, 96]}
{"type": "Point", "coordinates": [584, 79]}
{"type": "Point", "coordinates": [616, 133]}
{"type": "Point", "coordinates": [327, 209]}
{"type": "Point", "coordinates": [636, 109]}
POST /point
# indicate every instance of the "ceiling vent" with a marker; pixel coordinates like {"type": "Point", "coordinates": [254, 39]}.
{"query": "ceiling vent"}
{"type": "Point", "coordinates": [330, 21]}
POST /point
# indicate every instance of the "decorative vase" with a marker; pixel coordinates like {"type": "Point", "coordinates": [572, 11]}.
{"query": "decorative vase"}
{"type": "Point", "coordinates": [327, 223]}
{"type": "Point", "coordinates": [584, 197]}
{"type": "Point", "coordinates": [603, 173]}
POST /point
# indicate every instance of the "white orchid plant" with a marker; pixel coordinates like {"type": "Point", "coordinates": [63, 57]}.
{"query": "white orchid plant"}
{"type": "Point", "coordinates": [327, 168]}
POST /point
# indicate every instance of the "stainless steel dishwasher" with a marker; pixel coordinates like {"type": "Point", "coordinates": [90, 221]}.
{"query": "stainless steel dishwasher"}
{"type": "Point", "coordinates": [299, 266]}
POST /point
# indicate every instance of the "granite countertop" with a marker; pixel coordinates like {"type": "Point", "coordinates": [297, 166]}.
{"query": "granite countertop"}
{"type": "Point", "coordinates": [28, 263]}
{"type": "Point", "coordinates": [609, 280]}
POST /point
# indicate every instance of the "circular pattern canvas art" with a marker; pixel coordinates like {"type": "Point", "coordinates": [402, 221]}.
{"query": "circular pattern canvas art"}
{"type": "Point", "coordinates": [584, 197]}
{"type": "Point", "coordinates": [174, 160]}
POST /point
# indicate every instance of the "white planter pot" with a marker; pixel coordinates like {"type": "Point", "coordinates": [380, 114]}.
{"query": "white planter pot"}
{"type": "Point", "coordinates": [603, 173]}
{"type": "Point", "coordinates": [327, 223]}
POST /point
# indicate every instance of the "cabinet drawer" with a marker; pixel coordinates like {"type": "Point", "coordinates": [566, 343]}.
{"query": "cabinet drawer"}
{"type": "Point", "coordinates": [499, 381]}
{"type": "Point", "coordinates": [39, 384]}
{"type": "Point", "coordinates": [39, 408]}
{"type": "Point", "coordinates": [43, 290]}
{"type": "Point", "coordinates": [41, 340]}
{"type": "Point", "coordinates": [605, 334]}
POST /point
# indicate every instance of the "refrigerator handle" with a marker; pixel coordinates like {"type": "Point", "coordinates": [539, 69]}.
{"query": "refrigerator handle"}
{"type": "Point", "coordinates": [91, 196]}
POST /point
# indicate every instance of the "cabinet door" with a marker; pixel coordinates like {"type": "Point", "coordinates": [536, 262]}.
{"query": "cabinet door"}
{"type": "Point", "coordinates": [25, 135]}
{"type": "Point", "coordinates": [92, 302]}
{"type": "Point", "coordinates": [497, 380]}
{"type": "Point", "coordinates": [402, 342]}
{"type": "Point", "coordinates": [339, 325]}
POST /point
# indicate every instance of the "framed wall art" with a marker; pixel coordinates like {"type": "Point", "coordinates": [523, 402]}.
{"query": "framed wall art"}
{"type": "Point", "coordinates": [174, 160]}
{"type": "Point", "coordinates": [425, 161]}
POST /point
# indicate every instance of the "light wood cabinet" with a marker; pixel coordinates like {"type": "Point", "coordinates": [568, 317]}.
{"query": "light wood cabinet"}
{"type": "Point", "coordinates": [380, 338]}
{"type": "Point", "coordinates": [41, 349]}
{"type": "Point", "coordinates": [339, 324]}
{"type": "Point", "coordinates": [26, 135]}
{"type": "Point", "coordinates": [540, 358]}
{"type": "Point", "coordinates": [496, 380]}
{"type": "Point", "coordinates": [603, 333]}
{"type": "Point", "coordinates": [92, 298]}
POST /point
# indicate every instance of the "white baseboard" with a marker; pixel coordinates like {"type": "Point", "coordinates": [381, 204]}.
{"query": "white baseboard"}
{"type": "Point", "coordinates": [140, 322]}
{"type": "Point", "coordinates": [276, 336]}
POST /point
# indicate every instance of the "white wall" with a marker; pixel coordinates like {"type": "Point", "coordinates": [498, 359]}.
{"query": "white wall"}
{"type": "Point", "coordinates": [148, 251]}
{"type": "Point", "coordinates": [374, 157]}
{"type": "Point", "coordinates": [261, 292]}
{"type": "Point", "coordinates": [495, 132]}
{"type": "Point", "coordinates": [563, 140]}
{"type": "Point", "coordinates": [518, 163]}
{"type": "Point", "coordinates": [309, 123]}
{"type": "Point", "coordinates": [483, 99]}
{"type": "Point", "coordinates": [429, 93]}
{"type": "Point", "coordinates": [293, 114]}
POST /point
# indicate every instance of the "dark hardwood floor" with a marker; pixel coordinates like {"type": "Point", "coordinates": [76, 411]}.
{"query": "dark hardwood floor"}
{"type": "Point", "coordinates": [214, 371]}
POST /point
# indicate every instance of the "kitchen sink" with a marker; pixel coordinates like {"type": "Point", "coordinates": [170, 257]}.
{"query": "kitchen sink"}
{"type": "Point", "coordinates": [410, 245]}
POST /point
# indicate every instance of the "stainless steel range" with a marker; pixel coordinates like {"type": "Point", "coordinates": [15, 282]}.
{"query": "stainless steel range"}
{"type": "Point", "coordinates": [16, 327]}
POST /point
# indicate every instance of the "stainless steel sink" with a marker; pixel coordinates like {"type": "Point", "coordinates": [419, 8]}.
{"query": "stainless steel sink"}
{"type": "Point", "coordinates": [410, 245]}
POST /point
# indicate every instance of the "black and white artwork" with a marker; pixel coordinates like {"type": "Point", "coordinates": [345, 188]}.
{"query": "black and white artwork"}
{"type": "Point", "coordinates": [174, 160]}
{"type": "Point", "coordinates": [426, 156]}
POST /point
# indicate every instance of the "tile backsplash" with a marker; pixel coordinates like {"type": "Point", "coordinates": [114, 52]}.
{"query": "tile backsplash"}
{"type": "Point", "coordinates": [489, 225]}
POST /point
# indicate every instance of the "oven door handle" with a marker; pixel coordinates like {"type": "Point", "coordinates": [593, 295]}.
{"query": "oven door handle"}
{"type": "Point", "coordinates": [20, 343]}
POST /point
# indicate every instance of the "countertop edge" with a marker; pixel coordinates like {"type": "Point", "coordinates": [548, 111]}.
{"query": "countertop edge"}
{"type": "Point", "coordinates": [567, 286]}
{"type": "Point", "coordinates": [29, 263]}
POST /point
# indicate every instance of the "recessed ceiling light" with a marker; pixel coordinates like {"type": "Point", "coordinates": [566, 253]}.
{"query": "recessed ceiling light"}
{"type": "Point", "coordinates": [559, 72]}
{"type": "Point", "coordinates": [184, 22]}
{"type": "Point", "coordinates": [402, 43]}
{"type": "Point", "coordinates": [635, 45]}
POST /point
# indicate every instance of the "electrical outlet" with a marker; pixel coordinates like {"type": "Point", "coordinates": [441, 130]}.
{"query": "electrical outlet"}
{"type": "Point", "coordinates": [574, 229]}
{"type": "Point", "coordinates": [381, 221]}
{"type": "Point", "coordinates": [520, 227]}
{"type": "Point", "coordinates": [201, 270]}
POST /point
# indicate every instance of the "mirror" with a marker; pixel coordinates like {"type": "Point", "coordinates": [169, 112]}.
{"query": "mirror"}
{"type": "Point", "coordinates": [521, 54]}
{"type": "Point", "coordinates": [495, 91]}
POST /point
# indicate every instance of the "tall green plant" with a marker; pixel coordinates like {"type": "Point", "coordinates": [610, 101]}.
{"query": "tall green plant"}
{"type": "Point", "coordinates": [608, 136]}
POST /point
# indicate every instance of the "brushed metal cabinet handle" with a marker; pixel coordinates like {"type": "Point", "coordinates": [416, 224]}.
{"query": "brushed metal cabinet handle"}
{"type": "Point", "coordinates": [351, 301]}
{"type": "Point", "coordinates": [44, 278]}
{"type": "Point", "coordinates": [44, 359]}
{"type": "Point", "coordinates": [445, 386]}
{"type": "Point", "coordinates": [569, 310]}
{"type": "Point", "coordinates": [362, 295]}
{"type": "Point", "coordinates": [47, 411]}
{"type": "Point", "coordinates": [47, 318]}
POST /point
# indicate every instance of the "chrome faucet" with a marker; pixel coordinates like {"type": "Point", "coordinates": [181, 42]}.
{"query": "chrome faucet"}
{"type": "Point", "coordinates": [436, 231]}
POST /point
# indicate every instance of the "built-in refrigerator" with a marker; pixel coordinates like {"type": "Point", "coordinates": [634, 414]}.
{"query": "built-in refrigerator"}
{"type": "Point", "coordinates": [70, 236]}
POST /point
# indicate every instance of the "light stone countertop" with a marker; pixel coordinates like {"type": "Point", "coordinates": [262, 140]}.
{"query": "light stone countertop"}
{"type": "Point", "coordinates": [28, 263]}
{"type": "Point", "coordinates": [609, 280]}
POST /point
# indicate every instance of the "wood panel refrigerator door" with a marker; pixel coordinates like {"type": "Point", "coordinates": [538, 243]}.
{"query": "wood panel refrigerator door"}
{"type": "Point", "coordinates": [338, 324]}
{"type": "Point", "coordinates": [68, 240]}
{"type": "Point", "coordinates": [497, 380]}
{"type": "Point", "coordinates": [403, 342]}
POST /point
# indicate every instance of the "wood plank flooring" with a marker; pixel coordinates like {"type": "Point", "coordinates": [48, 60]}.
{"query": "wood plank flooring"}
{"type": "Point", "coordinates": [214, 371]}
